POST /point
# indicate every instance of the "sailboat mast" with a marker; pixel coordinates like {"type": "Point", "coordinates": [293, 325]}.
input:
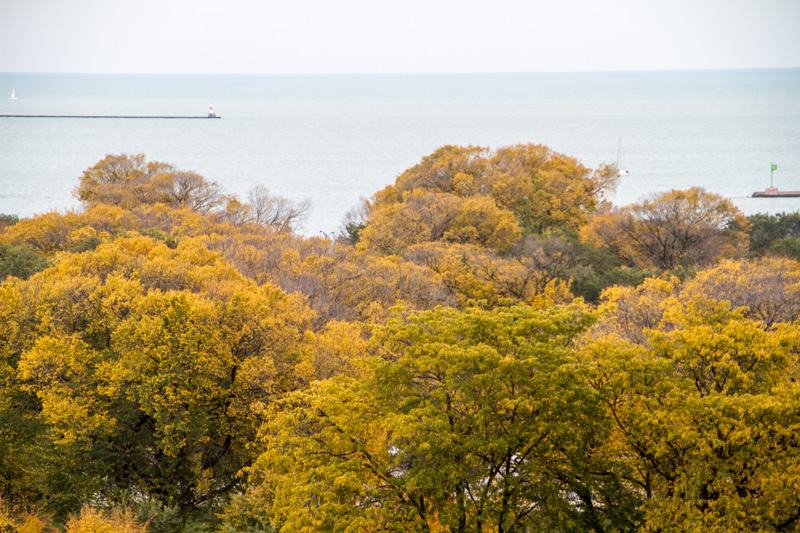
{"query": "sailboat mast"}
{"type": "Point", "coordinates": [620, 172]}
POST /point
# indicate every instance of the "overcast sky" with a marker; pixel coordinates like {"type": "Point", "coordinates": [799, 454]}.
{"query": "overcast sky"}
{"type": "Point", "coordinates": [323, 36]}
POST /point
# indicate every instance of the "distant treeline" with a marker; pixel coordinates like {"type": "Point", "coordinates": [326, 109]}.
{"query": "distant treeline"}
{"type": "Point", "coordinates": [485, 345]}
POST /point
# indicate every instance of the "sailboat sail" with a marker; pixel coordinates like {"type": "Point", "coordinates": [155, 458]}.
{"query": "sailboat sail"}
{"type": "Point", "coordinates": [13, 95]}
{"type": "Point", "coordinates": [620, 172]}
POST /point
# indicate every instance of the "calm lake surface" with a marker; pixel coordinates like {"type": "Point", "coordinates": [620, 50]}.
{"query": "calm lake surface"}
{"type": "Point", "coordinates": [335, 138]}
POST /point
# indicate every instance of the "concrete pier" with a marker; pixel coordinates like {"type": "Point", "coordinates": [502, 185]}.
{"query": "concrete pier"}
{"type": "Point", "coordinates": [775, 193]}
{"type": "Point", "coordinates": [106, 116]}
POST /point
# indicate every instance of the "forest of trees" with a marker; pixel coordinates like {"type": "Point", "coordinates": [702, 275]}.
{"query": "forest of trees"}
{"type": "Point", "coordinates": [487, 345]}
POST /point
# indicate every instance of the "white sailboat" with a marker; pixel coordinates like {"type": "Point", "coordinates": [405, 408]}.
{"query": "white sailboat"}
{"type": "Point", "coordinates": [13, 94]}
{"type": "Point", "coordinates": [620, 172]}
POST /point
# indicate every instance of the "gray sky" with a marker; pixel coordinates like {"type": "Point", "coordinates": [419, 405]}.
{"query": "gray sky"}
{"type": "Point", "coordinates": [322, 36]}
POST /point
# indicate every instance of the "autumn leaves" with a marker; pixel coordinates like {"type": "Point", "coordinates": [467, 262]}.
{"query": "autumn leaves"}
{"type": "Point", "coordinates": [429, 370]}
{"type": "Point", "coordinates": [469, 195]}
{"type": "Point", "coordinates": [146, 367]}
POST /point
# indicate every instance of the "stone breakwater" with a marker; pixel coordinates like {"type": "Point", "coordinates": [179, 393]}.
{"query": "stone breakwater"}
{"type": "Point", "coordinates": [108, 116]}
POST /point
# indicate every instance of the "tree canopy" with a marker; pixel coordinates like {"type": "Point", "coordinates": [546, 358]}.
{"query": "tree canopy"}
{"type": "Point", "coordinates": [154, 361]}
{"type": "Point", "coordinates": [489, 345]}
{"type": "Point", "coordinates": [671, 229]}
{"type": "Point", "coordinates": [473, 195]}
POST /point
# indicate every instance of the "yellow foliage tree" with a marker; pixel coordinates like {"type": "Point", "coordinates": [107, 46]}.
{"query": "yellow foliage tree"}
{"type": "Point", "coordinates": [91, 520]}
{"type": "Point", "coordinates": [469, 195]}
{"type": "Point", "coordinates": [546, 189]}
{"type": "Point", "coordinates": [466, 424]}
{"type": "Point", "coordinates": [769, 288]}
{"type": "Point", "coordinates": [159, 360]}
{"type": "Point", "coordinates": [458, 170]}
{"type": "Point", "coordinates": [671, 229]}
{"type": "Point", "coordinates": [45, 233]}
{"type": "Point", "coordinates": [706, 406]}
{"type": "Point", "coordinates": [129, 180]}
{"type": "Point", "coordinates": [766, 289]}
{"type": "Point", "coordinates": [340, 282]}
{"type": "Point", "coordinates": [429, 217]}
{"type": "Point", "coordinates": [473, 274]}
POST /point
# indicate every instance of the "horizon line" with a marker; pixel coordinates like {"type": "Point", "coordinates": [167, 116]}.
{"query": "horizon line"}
{"type": "Point", "coordinates": [408, 73]}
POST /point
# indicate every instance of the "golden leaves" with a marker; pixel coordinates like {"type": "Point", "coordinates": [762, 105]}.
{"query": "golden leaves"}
{"type": "Point", "coordinates": [704, 398]}
{"type": "Point", "coordinates": [168, 352]}
{"type": "Point", "coordinates": [671, 229]}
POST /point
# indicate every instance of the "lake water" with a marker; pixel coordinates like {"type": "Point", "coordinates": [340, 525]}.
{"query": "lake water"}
{"type": "Point", "coordinates": [335, 138]}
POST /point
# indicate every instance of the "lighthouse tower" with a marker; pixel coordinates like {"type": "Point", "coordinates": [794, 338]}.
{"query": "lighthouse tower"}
{"type": "Point", "coordinates": [211, 111]}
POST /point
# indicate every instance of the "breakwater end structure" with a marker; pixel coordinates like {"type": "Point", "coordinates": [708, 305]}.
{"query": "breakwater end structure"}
{"type": "Point", "coordinates": [772, 192]}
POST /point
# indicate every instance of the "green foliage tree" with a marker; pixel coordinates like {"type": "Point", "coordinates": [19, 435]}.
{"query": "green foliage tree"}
{"type": "Point", "coordinates": [19, 261]}
{"type": "Point", "coordinates": [596, 269]}
{"type": "Point", "coordinates": [354, 221]}
{"type": "Point", "coordinates": [7, 220]}
{"type": "Point", "coordinates": [775, 234]}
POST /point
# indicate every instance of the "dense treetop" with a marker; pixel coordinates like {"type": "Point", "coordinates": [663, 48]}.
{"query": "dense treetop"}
{"type": "Point", "coordinates": [475, 196]}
